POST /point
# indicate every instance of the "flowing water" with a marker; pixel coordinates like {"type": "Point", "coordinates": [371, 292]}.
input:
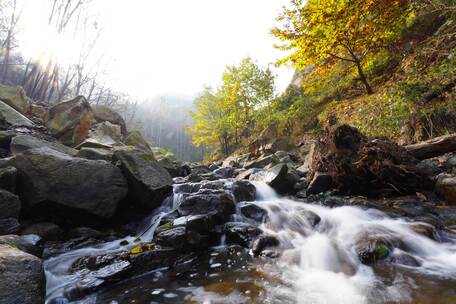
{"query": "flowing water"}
{"type": "Point", "coordinates": [318, 262]}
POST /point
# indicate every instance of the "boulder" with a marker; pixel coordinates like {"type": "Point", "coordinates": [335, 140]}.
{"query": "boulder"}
{"type": "Point", "coordinates": [242, 234]}
{"type": "Point", "coordinates": [320, 183]}
{"type": "Point", "coordinates": [47, 231]}
{"type": "Point", "coordinates": [253, 212]}
{"type": "Point", "coordinates": [8, 177]}
{"type": "Point", "coordinates": [95, 154]}
{"type": "Point", "coordinates": [262, 162]}
{"type": "Point", "coordinates": [174, 167]}
{"type": "Point", "coordinates": [10, 205]}
{"type": "Point", "coordinates": [446, 186]}
{"type": "Point", "coordinates": [13, 117]}
{"type": "Point", "coordinates": [49, 176]}
{"type": "Point", "coordinates": [38, 111]}
{"type": "Point", "coordinates": [263, 242]}
{"type": "Point", "coordinates": [218, 203]}
{"type": "Point", "coordinates": [28, 243]}
{"type": "Point", "coordinates": [245, 174]}
{"type": "Point", "coordinates": [21, 143]}
{"type": "Point", "coordinates": [242, 190]}
{"type": "Point", "coordinates": [70, 121]}
{"type": "Point", "coordinates": [5, 138]}
{"type": "Point", "coordinates": [149, 182]}
{"type": "Point", "coordinates": [9, 225]}
{"type": "Point", "coordinates": [102, 135]}
{"type": "Point", "coordinates": [135, 139]}
{"type": "Point", "coordinates": [103, 113]}
{"type": "Point", "coordinates": [14, 97]}
{"type": "Point", "coordinates": [276, 177]}
{"type": "Point", "coordinates": [22, 277]}
{"type": "Point", "coordinates": [225, 172]}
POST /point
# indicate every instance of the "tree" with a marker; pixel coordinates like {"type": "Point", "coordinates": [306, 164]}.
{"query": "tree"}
{"type": "Point", "coordinates": [224, 117]}
{"type": "Point", "coordinates": [321, 33]}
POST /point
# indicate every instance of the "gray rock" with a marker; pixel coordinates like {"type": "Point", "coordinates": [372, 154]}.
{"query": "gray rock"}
{"type": "Point", "coordinates": [22, 277]}
{"type": "Point", "coordinates": [94, 187]}
{"type": "Point", "coordinates": [95, 154]}
{"type": "Point", "coordinates": [9, 225]}
{"type": "Point", "coordinates": [218, 203]}
{"type": "Point", "coordinates": [246, 173]}
{"type": "Point", "coordinates": [22, 143]}
{"type": "Point", "coordinates": [149, 182]}
{"type": "Point", "coordinates": [14, 97]}
{"type": "Point", "coordinates": [240, 233]}
{"type": "Point", "coordinates": [29, 243]}
{"type": "Point", "coordinates": [8, 177]}
{"type": "Point", "coordinates": [10, 205]}
{"type": "Point", "coordinates": [104, 113]}
{"type": "Point", "coordinates": [263, 242]}
{"type": "Point", "coordinates": [276, 177]}
{"type": "Point", "coordinates": [262, 162]}
{"type": "Point", "coordinates": [254, 212]}
{"type": "Point", "coordinates": [320, 183]}
{"type": "Point", "coordinates": [47, 231]}
{"type": "Point", "coordinates": [225, 172]}
{"type": "Point", "coordinates": [446, 186]}
{"type": "Point", "coordinates": [70, 121]}
{"type": "Point", "coordinates": [13, 117]}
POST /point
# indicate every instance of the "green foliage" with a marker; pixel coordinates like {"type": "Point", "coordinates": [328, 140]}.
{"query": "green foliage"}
{"type": "Point", "coordinates": [322, 33]}
{"type": "Point", "coordinates": [224, 117]}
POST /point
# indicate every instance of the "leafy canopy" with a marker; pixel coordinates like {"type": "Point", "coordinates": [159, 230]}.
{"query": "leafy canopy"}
{"type": "Point", "coordinates": [222, 118]}
{"type": "Point", "coordinates": [323, 32]}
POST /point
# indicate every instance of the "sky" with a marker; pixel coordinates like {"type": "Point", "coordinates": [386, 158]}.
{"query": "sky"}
{"type": "Point", "coordinates": [168, 47]}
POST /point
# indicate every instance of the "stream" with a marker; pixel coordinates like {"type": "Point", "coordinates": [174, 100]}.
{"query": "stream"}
{"type": "Point", "coordinates": [318, 262]}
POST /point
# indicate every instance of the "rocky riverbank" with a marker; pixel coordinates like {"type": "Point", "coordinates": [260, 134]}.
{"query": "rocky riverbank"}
{"type": "Point", "coordinates": [85, 204]}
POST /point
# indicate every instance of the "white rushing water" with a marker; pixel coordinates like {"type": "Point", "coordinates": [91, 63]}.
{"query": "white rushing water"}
{"type": "Point", "coordinates": [318, 264]}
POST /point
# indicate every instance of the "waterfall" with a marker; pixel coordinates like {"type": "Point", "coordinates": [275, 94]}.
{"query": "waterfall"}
{"type": "Point", "coordinates": [321, 263]}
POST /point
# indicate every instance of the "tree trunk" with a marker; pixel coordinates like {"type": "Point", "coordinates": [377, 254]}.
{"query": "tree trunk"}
{"type": "Point", "coordinates": [363, 78]}
{"type": "Point", "coordinates": [433, 147]}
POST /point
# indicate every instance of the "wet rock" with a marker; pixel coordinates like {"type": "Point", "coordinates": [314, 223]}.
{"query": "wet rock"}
{"type": "Point", "coordinates": [30, 243]}
{"type": "Point", "coordinates": [254, 212]}
{"type": "Point", "coordinates": [93, 187]}
{"type": "Point", "coordinates": [15, 97]}
{"type": "Point", "coordinates": [86, 232]}
{"type": "Point", "coordinates": [276, 177]}
{"type": "Point", "coordinates": [183, 239]}
{"type": "Point", "coordinates": [5, 139]}
{"type": "Point", "coordinates": [262, 162]}
{"type": "Point", "coordinates": [9, 225]}
{"type": "Point", "coordinates": [242, 191]}
{"type": "Point", "coordinates": [70, 121]}
{"type": "Point", "coordinates": [372, 251]}
{"type": "Point", "coordinates": [149, 183]}
{"type": "Point", "coordinates": [313, 218]}
{"type": "Point", "coordinates": [271, 254]}
{"type": "Point", "coordinates": [22, 143]}
{"type": "Point", "coordinates": [200, 169]}
{"type": "Point", "coordinates": [47, 231]}
{"type": "Point", "coordinates": [425, 229]}
{"type": "Point", "coordinates": [225, 172]}
{"type": "Point", "coordinates": [92, 280]}
{"type": "Point", "coordinates": [22, 277]}
{"type": "Point", "coordinates": [198, 223]}
{"type": "Point", "coordinates": [403, 258]}
{"type": "Point", "coordinates": [13, 117]}
{"type": "Point", "coordinates": [320, 183]}
{"type": "Point", "coordinates": [446, 186]}
{"type": "Point", "coordinates": [56, 248]}
{"type": "Point", "coordinates": [217, 203]}
{"type": "Point", "coordinates": [8, 177]}
{"type": "Point", "coordinates": [95, 154]}
{"type": "Point", "coordinates": [103, 113]}
{"type": "Point", "coordinates": [263, 242]}
{"type": "Point", "coordinates": [191, 178]}
{"type": "Point", "coordinates": [240, 233]}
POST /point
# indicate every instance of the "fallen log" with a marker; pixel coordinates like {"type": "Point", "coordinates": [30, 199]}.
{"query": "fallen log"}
{"type": "Point", "coordinates": [433, 147]}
